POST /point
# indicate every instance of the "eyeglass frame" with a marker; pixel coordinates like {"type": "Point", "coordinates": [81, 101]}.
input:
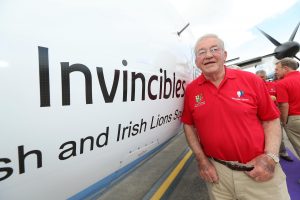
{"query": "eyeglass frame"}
{"type": "Point", "coordinates": [213, 50]}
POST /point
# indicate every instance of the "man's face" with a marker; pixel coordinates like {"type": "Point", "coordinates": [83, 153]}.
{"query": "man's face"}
{"type": "Point", "coordinates": [279, 71]}
{"type": "Point", "coordinates": [210, 57]}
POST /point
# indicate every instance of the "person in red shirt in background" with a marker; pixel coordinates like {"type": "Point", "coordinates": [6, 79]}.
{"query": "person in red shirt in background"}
{"type": "Point", "coordinates": [233, 129]}
{"type": "Point", "coordinates": [272, 91]}
{"type": "Point", "coordinates": [288, 97]}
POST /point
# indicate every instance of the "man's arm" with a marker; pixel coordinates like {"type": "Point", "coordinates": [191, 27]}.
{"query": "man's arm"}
{"type": "Point", "coordinates": [284, 112]}
{"type": "Point", "coordinates": [272, 131]}
{"type": "Point", "coordinates": [264, 165]}
{"type": "Point", "coordinates": [193, 142]}
{"type": "Point", "coordinates": [206, 169]}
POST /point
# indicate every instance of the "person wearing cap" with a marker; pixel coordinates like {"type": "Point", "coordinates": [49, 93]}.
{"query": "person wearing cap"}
{"type": "Point", "coordinates": [232, 128]}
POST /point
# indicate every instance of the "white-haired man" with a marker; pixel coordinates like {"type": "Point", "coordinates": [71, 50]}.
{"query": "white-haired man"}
{"type": "Point", "coordinates": [232, 128]}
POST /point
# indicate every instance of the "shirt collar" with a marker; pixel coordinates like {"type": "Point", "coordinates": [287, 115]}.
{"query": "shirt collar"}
{"type": "Point", "coordinates": [291, 73]}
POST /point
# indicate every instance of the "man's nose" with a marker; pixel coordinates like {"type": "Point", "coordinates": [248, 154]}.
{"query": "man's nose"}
{"type": "Point", "coordinates": [208, 54]}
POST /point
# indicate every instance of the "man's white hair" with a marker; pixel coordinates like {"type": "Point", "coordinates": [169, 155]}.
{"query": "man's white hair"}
{"type": "Point", "coordinates": [209, 35]}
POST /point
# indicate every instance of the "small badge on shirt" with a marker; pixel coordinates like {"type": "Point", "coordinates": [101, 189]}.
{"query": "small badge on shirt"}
{"type": "Point", "coordinates": [199, 100]}
{"type": "Point", "coordinates": [240, 93]}
{"type": "Point", "coordinates": [240, 96]}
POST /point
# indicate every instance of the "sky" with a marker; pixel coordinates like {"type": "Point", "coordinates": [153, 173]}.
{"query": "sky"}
{"type": "Point", "coordinates": [236, 22]}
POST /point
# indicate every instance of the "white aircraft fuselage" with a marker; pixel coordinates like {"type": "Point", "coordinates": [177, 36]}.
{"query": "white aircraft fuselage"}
{"type": "Point", "coordinates": [88, 89]}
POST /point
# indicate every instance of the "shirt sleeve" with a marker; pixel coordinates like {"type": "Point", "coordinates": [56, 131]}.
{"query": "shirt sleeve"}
{"type": "Point", "coordinates": [186, 117]}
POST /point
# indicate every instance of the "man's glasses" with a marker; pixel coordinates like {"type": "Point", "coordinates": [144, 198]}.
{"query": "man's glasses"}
{"type": "Point", "coordinates": [203, 52]}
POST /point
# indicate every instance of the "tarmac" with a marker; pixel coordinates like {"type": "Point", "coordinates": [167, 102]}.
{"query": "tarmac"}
{"type": "Point", "coordinates": [147, 181]}
{"type": "Point", "coordinates": [139, 184]}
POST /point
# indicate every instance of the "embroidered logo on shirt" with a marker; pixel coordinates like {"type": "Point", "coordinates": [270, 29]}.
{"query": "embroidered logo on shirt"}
{"type": "Point", "coordinates": [199, 100]}
{"type": "Point", "coordinates": [240, 96]}
{"type": "Point", "coordinates": [240, 93]}
{"type": "Point", "coordinates": [272, 90]}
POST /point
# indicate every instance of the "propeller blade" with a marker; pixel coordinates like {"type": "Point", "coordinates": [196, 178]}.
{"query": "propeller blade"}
{"type": "Point", "coordinates": [297, 58]}
{"type": "Point", "coordinates": [275, 42]}
{"type": "Point", "coordinates": [294, 33]}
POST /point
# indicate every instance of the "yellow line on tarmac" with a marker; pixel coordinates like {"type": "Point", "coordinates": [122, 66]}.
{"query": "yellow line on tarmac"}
{"type": "Point", "coordinates": [166, 184]}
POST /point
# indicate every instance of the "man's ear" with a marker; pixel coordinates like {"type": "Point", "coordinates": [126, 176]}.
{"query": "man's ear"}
{"type": "Point", "coordinates": [225, 55]}
{"type": "Point", "coordinates": [286, 68]}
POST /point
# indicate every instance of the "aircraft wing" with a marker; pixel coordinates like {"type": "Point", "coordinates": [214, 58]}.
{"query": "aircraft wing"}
{"type": "Point", "coordinates": [251, 62]}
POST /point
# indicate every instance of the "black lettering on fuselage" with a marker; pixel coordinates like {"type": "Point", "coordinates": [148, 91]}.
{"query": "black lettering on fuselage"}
{"type": "Point", "coordinates": [7, 170]}
{"type": "Point", "coordinates": [44, 77]}
{"type": "Point", "coordinates": [23, 155]}
{"type": "Point", "coordinates": [166, 86]}
{"type": "Point", "coordinates": [66, 69]}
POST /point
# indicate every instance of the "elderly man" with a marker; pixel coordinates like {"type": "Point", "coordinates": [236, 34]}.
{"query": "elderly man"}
{"type": "Point", "coordinates": [288, 97]}
{"type": "Point", "coordinates": [232, 128]}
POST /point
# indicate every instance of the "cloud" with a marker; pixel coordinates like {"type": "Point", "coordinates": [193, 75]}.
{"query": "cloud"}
{"type": "Point", "coordinates": [232, 20]}
{"type": "Point", "coordinates": [3, 64]}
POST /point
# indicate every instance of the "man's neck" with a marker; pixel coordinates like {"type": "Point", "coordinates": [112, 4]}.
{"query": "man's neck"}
{"type": "Point", "coordinates": [288, 72]}
{"type": "Point", "coordinates": [216, 78]}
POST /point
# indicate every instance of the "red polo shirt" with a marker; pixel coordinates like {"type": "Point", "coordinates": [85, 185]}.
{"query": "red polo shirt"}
{"type": "Point", "coordinates": [271, 86]}
{"type": "Point", "coordinates": [288, 91]}
{"type": "Point", "coordinates": [228, 118]}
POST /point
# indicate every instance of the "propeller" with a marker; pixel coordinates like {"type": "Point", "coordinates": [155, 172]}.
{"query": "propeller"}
{"type": "Point", "coordinates": [286, 49]}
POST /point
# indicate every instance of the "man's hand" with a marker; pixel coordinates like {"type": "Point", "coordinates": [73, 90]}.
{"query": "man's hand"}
{"type": "Point", "coordinates": [207, 171]}
{"type": "Point", "coordinates": [273, 98]}
{"type": "Point", "coordinates": [264, 167]}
